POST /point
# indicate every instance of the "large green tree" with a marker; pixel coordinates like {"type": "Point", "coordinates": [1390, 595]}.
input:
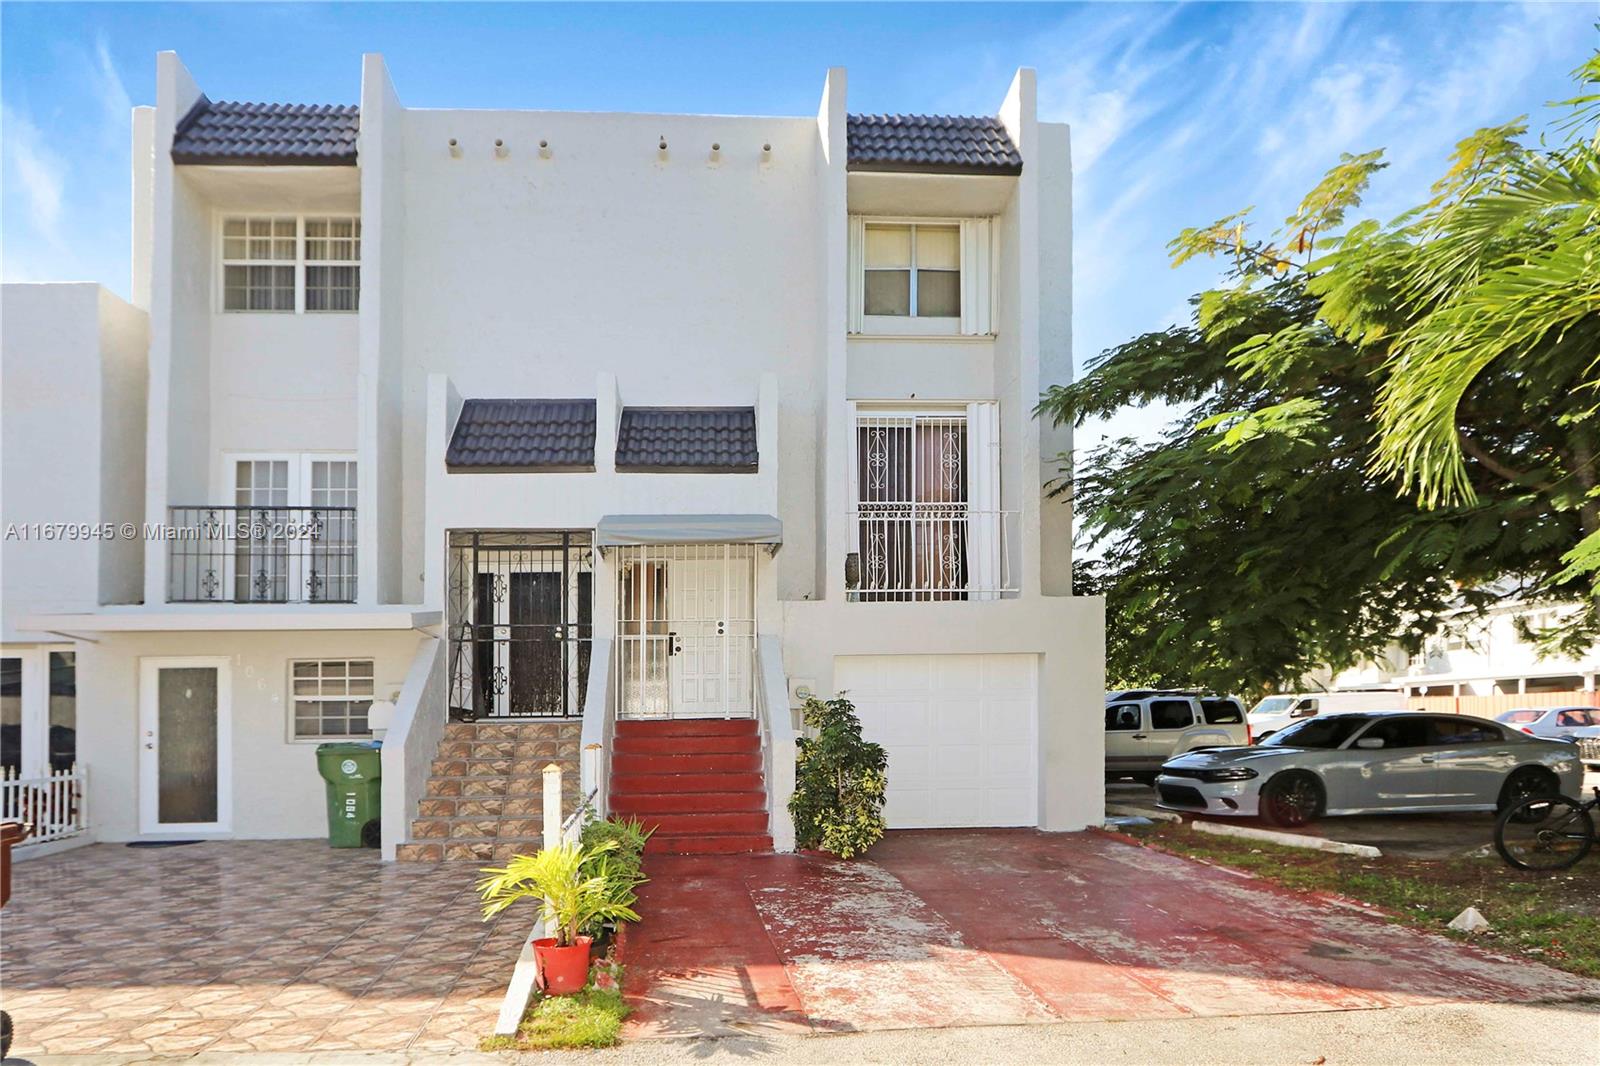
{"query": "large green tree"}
{"type": "Point", "coordinates": [1383, 421]}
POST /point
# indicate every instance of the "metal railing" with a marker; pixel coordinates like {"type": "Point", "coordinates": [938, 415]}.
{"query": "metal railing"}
{"type": "Point", "coordinates": [930, 552]}
{"type": "Point", "coordinates": [223, 554]}
{"type": "Point", "coordinates": [52, 807]}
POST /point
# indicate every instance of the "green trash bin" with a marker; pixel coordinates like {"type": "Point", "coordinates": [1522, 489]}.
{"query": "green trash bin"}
{"type": "Point", "coordinates": [354, 772]}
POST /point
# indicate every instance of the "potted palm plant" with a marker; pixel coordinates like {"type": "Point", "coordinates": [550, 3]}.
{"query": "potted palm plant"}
{"type": "Point", "coordinates": [577, 889]}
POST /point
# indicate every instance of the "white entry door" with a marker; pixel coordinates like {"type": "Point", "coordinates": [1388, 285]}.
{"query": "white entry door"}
{"type": "Point", "coordinates": [960, 731]}
{"type": "Point", "coordinates": [686, 631]}
{"type": "Point", "coordinates": [185, 747]}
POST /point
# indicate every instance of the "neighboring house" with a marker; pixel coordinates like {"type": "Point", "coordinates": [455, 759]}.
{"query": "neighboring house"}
{"type": "Point", "coordinates": [613, 430]}
{"type": "Point", "coordinates": [1485, 659]}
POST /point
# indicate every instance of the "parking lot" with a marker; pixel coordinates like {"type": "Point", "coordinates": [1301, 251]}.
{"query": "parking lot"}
{"type": "Point", "coordinates": [1412, 836]}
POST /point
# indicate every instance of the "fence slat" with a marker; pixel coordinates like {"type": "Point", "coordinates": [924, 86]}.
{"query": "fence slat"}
{"type": "Point", "coordinates": [50, 806]}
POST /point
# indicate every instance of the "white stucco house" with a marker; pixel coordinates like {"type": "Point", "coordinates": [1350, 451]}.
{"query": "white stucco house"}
{"type": "Point", "coordinates": [560, 431]}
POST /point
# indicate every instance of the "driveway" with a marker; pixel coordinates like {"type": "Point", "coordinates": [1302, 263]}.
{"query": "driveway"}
{"type": "Point", "coordinates": [958, 928]}
{"type": "Point", "coordinates": [249, 946]}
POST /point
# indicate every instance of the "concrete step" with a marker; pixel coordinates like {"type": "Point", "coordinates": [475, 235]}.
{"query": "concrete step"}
{"type": "Point", "coordinates": [688, 727]}
{"type": "Point", "coordinates": [691, 744]}
{"type": "Point", "coordinates": [685, 764]}
{"type": "Point", "coordinates": [626, 784]}
{"type": "Point", "coordinates": [708, 844]}
{"type": "Point", "coordinates": [706, 823]}
{"type": "Point", "coordinates": [687, 802]}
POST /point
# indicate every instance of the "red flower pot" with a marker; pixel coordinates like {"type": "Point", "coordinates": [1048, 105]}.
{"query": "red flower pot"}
{"type": "Point", "coordinates": [563, 971]}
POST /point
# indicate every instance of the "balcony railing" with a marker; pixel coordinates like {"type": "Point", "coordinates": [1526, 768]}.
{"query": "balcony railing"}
{"type": "Point", "coordinates": [930, 552]}
{"type": "Point", "coordinates": [218, 554]}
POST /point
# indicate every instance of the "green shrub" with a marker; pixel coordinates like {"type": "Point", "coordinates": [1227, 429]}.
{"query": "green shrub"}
{"type": "Point", "coordinates": [628, 834]}
{"type": "Point", "coordinates": [839, 780]}
{"type": "Point", "coordinates": [576, 888]}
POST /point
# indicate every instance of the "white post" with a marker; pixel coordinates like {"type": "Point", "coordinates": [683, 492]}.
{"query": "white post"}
{"type": "Point", "coordinates": [552, 805]}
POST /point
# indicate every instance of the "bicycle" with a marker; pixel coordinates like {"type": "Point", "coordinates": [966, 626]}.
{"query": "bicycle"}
{"type": "Point", "coordinates": [1546, 832]}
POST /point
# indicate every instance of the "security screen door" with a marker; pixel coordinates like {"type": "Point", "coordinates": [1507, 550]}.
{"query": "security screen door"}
{"type": "Point", "coordinates": [686, 631]}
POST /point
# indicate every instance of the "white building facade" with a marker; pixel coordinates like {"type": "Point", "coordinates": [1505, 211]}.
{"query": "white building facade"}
{"type": "Point", "coordinates": [513, 417]}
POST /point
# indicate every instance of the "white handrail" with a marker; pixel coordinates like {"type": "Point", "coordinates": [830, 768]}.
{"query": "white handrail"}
{"type": "Point", "coordinates": [412, 742]}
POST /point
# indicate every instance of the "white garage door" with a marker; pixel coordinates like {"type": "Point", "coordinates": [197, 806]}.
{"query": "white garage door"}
{"type": "Point", "coordinates": [960, 732]}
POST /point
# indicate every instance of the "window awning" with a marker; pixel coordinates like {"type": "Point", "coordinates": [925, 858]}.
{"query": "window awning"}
{"type": "Point", "coordinates": [617, 530]}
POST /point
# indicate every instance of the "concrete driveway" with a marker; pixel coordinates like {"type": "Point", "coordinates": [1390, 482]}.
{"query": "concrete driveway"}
{"type": "Point", "coordinates": [260, 946]}
{"type": "Point", "coordinates": [958, 928]}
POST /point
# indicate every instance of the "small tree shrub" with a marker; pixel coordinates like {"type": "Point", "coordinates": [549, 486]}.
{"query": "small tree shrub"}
{"type": "Point", "coordinates": [839, 783]}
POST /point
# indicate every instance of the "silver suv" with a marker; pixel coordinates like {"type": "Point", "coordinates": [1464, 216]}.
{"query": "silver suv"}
{"type": "Point", "coordinates": [1146, 727]}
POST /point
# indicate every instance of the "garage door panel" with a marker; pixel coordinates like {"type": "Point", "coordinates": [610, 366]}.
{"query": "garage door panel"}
{"type": "Point", "coordinates": [959, 731]}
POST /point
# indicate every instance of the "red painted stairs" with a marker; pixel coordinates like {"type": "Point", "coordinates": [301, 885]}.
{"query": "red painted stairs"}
{"type": "Point", "coordinates": [698, 781]}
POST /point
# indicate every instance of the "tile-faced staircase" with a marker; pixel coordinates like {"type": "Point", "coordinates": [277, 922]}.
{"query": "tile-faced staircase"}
{"type": "Point", "coordinates": [485, 796]}
{"type": "Point", "coordinates": [699, 782]}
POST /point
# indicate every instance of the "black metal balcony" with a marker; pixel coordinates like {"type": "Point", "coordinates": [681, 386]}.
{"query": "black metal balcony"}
{"type": "Point", "coordinates": [218, 554]}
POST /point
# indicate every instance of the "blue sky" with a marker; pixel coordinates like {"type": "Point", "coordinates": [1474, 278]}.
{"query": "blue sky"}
{"type": "Point", "coordinates": [1180, 113]}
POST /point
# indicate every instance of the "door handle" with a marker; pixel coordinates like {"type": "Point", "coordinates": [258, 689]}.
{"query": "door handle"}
{"type": "Point", "coordinates": [1139, 736]}
{"type": "Point", "coordinates": [1428, 758]}
{"type": "Point", "coordinates": [672, 644]}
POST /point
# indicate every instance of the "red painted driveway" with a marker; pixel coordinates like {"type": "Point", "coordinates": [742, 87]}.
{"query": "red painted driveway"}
{"type": "Point", "coordinates": [1012, 926]}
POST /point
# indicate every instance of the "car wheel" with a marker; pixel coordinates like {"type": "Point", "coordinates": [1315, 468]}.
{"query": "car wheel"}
{"type": "Point", "coordinates": [1292, 799]}
{"type": "Point", "coordinates": [1263, 736]}
{"type": "Point", "coordinates": [1525, 784]}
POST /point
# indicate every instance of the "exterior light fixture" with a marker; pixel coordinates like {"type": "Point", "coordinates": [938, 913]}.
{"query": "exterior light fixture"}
{"type": "Point", "coordinates": [661, 149]}
{"type": "Point", "coordinates": [455, 147]}
{"type": "Point", "coordinates": [499, 148]}
{"type": "Point", "coordinates": [544, 149]}
{"type": "Point", "coordinates": [766, 153]}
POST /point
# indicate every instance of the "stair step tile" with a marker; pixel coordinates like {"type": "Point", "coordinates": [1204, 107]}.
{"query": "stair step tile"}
{"type": "Point", "coordinates": [707, 822]}
{"type": "Point", "coordinates": [625, 784]}
{"type": "Point", "coordinates": [430, 828]}
{"type": "Point", "coordinates": [419, 853]}
{"type": "Point", "coordinates": [688, 727]}
{"type": "Point", "coordinates": [647, 803]}
{"type": "Point", "coordinates": [473, 851]}
{"type": "Point", "coordinates": [712, 744]}
{"type": "Point", "coordinates": [708, 844]}
{"type": "Point", "coordinates": [684, 764]}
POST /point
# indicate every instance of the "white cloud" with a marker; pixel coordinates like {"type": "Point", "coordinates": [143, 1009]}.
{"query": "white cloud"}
{"type": "Point", "coordinates": [37, 170]}
{"type": "Point", "coordinates": [112, 94]}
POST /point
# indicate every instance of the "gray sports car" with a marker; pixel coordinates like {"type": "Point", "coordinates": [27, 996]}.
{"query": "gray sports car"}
{"type": "Point", "coordinates": [1371, 762]}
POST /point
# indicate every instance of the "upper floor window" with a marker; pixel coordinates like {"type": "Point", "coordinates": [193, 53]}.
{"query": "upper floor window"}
{"type": "Point", "coordinates": [918, 276]}
{"type": "Point", "coordinates": [913, 271]}
{"type": "Point", "coordinates": [291, 263]}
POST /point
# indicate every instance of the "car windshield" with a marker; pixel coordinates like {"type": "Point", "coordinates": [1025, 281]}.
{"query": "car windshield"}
{"type": "Point", "coordinates": [1272, 705]}
{"type": "Point", "coordinates": [1519, 717]}
{"type": "Point", "coordinates": [1317, 732]}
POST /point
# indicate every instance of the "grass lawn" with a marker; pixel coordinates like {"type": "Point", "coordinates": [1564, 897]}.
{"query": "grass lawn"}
{"type": "Point", "coordinates": [592, 1018]}
{"type": "Point", "coordinates": [1554, 918]}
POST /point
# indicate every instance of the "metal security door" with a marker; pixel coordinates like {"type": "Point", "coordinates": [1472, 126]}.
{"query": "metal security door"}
{"type": "Point", "coordinates": [686, 631]}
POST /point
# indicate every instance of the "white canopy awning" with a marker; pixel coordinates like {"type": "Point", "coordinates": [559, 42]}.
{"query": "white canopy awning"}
{"type": "Point", "coordinates": [616, 530]}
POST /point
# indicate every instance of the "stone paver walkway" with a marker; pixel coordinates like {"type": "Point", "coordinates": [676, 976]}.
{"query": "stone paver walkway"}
{"type": "Point", "coordinates": [249, 946]}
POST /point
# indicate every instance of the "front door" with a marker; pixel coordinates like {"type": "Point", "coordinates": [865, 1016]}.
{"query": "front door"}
{"type": "Point", "coordinates": [184, 745]}
{"type": "Point", "coordinates": [686, 631]}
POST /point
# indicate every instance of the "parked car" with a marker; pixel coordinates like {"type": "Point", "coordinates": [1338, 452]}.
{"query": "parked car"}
{"type": "Point", "coordinates": [1554, 721]}
{"type": "Point", "coordinates": [1273, 713]}
{"type": "Point", "coordinates": [1368, 763]}
{"type": "Point", "coordinates": [1146, 727]}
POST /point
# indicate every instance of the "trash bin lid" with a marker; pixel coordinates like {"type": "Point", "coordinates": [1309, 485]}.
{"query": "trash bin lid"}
{"type": "Point", "coordinates": [348, 747]}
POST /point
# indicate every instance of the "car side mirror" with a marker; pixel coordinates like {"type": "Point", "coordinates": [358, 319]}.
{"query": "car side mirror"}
{"type": "Point", "coordinates": [1370, 743]}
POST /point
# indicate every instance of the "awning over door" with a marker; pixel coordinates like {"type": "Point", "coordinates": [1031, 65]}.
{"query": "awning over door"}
{"type": "Point", "coordinates": [617, 530]}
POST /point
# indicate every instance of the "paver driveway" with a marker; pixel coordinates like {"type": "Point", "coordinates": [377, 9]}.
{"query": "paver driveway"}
{"type": "Point", "coordinates": [248, 946]}
{"type": "Point", "coordinates": [1013, 926]}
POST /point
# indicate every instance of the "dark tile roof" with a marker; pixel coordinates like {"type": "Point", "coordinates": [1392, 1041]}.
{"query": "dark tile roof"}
{"type": "Point", "coordinates": [523, 435]}
{"type": "Point", "coordinates": [267, 134]}
{"type": "Point", "coordinates": [941, 144]}
{"type": "Point", "coordinates": [691, 439]}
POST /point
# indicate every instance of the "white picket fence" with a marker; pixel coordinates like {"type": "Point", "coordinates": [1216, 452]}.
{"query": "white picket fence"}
{"type": "Point", "coordinates": [52, 807]}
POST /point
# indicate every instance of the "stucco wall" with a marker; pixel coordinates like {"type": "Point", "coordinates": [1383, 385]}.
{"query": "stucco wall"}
{"type": "Point", "coordinates": [73, 441]}
{"type": "Point", "coordinates": [524, 276]}
{"type": "Point", "coordinates": [276, 790]}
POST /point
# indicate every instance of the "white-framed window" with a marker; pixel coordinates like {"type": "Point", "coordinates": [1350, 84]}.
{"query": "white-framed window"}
{"type": "Point", "coordinates": [258, 264]}
{"type": "Point", "coordinates": [912, 270]}
{"type": "Point", "coordinates": [921, 276]}
{"type": "Point", "coordinates": [291, 263]}
{"type": "Point", "coordinates": [330, 698]}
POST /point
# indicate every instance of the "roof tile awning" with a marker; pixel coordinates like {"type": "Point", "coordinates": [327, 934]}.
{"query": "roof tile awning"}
{"type": "Point", "coordinates": [523, 436]}
{"type": "Point", "coordinates": [624, 530]}
{"type": "Point", "coordinates": [934, 144]}
{"type": "Point", "coordinates": [246, 134]}
{"type": "Point", "coordinates": [698, 440]}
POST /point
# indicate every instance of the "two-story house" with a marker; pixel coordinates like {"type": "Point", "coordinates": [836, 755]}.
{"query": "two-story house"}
{"type": "Point", "coordinates": [523, 434]}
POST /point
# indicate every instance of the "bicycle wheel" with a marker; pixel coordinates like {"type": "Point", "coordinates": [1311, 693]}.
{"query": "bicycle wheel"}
{"type": "Point", "coordinates": [1544, 833]}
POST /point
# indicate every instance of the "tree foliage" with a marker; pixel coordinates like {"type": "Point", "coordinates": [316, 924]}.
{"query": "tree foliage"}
{"type": "Point", "coordinates": [1383, 421]}
{"type": "Point", "coordinates": [839, 781]}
